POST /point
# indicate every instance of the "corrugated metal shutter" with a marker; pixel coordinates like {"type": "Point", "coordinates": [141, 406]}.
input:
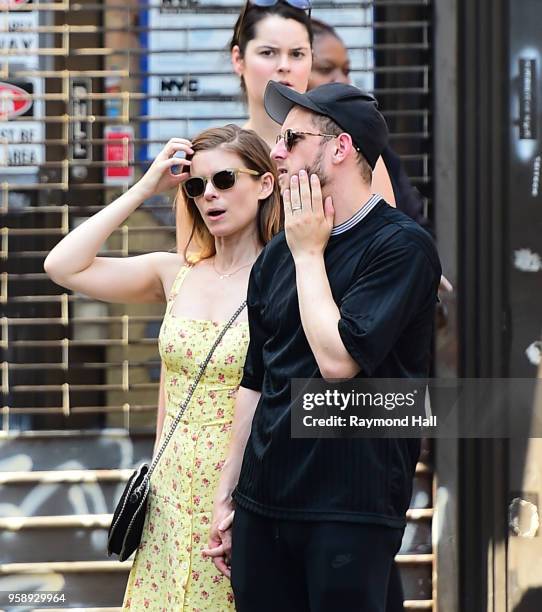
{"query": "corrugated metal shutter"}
{"type": "Point", "coordinates": [108, 83]}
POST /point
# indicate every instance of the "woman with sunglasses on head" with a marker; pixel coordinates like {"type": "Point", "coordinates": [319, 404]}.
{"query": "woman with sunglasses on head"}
{"type": "Point", "coordinates": [267, 46]}
{"type": "Point", "coordinates": [230, 195]}
{"type": "Point", "coordinates": [272, 41]}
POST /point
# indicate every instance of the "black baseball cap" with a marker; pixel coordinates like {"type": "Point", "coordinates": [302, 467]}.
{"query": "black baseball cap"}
{"type": "Point", "coordinates": [355, 111]}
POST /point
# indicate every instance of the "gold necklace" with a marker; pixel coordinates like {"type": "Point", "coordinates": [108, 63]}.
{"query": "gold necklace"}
{"type": "Point", "coordinates": [228, 274]}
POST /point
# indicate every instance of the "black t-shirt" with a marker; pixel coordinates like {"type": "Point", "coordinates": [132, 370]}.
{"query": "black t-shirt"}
{"type": "Point", "coordinates": [384, 274]}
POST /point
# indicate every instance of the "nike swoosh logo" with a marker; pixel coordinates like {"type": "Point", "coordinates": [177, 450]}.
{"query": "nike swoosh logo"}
{"type": "Point", "coordinates": [340, 561]}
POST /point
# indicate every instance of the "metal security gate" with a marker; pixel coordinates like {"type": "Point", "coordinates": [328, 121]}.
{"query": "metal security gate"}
{"type": "Point", "coordinates": [89, 92]}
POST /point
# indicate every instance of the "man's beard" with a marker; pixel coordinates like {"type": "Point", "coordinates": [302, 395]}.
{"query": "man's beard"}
{"type": "Point", "coordinates": [316, 168]}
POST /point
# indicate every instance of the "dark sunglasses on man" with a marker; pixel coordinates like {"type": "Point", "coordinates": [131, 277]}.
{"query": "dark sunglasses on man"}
{"type": "Point", "coordinates": [194, 187]}
{"type": "Point", "coordinates": [291, 137]}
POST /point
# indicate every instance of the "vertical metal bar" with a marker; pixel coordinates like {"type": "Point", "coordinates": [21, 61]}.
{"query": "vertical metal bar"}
{"type": "Point", "coordinates": [5, 418]}
{"type": "Point", "coordinates": [126, 375]}
{"type": "Point", "coordinates": [65, 354]}
{"type": "Point", "coordinates": [483, 481]}
{"type": "Point", "coordinates": [3, 288]}
{"type": "Point", "coordinates": [4, 334]}
{"type": "Point", "coordinates": [66, 399]}
{"type": "Point", "coordinates": [125, 330]}
{"type": "Point", "coordinates": [126, 415]}
{"type": "Point", "coordinates": [445, 171]}
{"type": "Point", "coordinates": [64, 309]}
{"type": "Point", "coordinates": [125, 240]}
{"type": "Point", "coordinates": [4, 243]}
{"type": "Point", "coordinates": [4, 205]}
{"type": "Point", "coordinates": [4, 151]}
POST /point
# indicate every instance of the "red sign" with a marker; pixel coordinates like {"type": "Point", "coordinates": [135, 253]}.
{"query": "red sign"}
{"type": "Point", "coordinates": [119, 154]}
{"type": "Point", "coordinates": [12, 3]}
{"type": "Point", "coordinates": [14, 101]}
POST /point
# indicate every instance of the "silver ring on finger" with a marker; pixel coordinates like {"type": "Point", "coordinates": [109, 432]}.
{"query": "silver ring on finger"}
{"type": "Point", "coordinates": [297, 208]}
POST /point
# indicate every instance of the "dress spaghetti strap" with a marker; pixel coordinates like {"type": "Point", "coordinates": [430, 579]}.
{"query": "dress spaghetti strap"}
{"type": "Point", "coordinates": [177, 285]}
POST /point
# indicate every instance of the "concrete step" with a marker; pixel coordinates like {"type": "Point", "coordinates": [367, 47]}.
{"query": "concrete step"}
{"type": "Point", "coordinates": [59, 489]}
{"type": "Point", "coordinates": [18, 523]}
{"type": "Point", "coordinates": [26, 451]}
{"type": "Point", "coordinates": [52, 544]}
{"type": "Point", "coordinates": [54, 538]}
{"type": "Point", "coordinates": [108, 609]}
{"type": "Point", "coordinates": [102, 583]}
{"type": "Point", "coordinates": [409, 605]}
{"type": "Point", "coordinates": [97, 583]}
{"type": "Point", "coordinates": [92, 450]}
{"type": "Point", "coordinates": [64, 476]}
{"type": "Point", "coordinates": [421, 604]}
{"type": "Point", "coordinates": [61, 492]}
{"type": "Point", "coordinates": [83, 537]}
{"type": "Point", "coordinates": [84, 491]}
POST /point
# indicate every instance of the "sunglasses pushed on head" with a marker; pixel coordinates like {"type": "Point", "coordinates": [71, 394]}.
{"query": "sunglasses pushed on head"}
{"type": "Point", "coordinates": [302, 5]}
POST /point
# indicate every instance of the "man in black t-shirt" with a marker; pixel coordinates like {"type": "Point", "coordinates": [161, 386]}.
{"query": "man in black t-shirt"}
{"type": "Point", "coordinates": [348, 289]}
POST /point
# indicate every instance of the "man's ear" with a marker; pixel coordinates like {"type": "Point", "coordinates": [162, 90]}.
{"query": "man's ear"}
{"type": "Point", "coordinates": [267, 183]}
{"type": "Point", "coordinates": [237, 61]}
{"type": "Point", "coordinates": [343, 147]}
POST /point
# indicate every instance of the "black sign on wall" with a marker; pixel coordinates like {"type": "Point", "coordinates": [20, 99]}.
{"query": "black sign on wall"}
{"type": "Point", "coordinates": [80, 126]}
{"type": "Point", "coordinates": [524, 197]}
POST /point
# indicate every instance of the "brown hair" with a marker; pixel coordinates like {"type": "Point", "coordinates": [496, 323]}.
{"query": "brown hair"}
{"type": "Point", "coordinates": [245, 27]}
{"type": "Point", "coordinates": [255, 155]}
{"type": "Point", "coordinates": [327, 126]}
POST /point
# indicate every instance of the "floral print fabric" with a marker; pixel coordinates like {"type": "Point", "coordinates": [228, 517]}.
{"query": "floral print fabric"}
{"type": "Point", "coordinates": [169, 572]}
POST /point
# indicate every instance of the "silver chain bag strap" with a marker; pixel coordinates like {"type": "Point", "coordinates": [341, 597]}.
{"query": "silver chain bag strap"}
{"type": "Point", "coordinates": [129, 517]}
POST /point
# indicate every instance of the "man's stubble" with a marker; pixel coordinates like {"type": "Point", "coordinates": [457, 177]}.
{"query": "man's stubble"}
{"type": "Point", "coordinates": [316, 168]}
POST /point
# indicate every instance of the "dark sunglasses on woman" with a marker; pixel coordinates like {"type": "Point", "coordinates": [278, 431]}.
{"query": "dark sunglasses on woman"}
{"type": "Point", "coordinates": [194, 187]}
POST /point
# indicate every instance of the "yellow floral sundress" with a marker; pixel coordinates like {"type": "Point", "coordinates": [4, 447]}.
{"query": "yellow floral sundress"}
{"type": "Point", "coordinates": [169, 572]}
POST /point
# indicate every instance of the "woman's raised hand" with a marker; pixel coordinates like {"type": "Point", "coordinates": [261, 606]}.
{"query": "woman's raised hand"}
{"type": "Point", "coordinates": [159, 177]}
{"type": "Point", "coordinates": [74, 262]}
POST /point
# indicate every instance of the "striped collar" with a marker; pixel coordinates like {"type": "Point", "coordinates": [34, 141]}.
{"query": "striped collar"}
{"type": "Point", "coordinates": [357, 217]}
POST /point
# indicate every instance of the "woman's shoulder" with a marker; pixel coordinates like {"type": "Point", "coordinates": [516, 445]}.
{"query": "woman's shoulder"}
{"type": "Point", "coordinates": [169, 259]}
{"type": "Point", "coordinates": [166, 265]}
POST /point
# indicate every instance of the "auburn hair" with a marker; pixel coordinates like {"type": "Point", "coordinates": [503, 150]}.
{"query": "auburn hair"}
{"type": "Point", "coordinates": [255, 155]}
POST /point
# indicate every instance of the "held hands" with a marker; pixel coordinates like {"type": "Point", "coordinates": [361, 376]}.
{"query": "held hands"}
{"type": "Point", "coordinates": [159, 176]}
{"type": "Point", "coordinates": [308, 220]}
{"type": "Point", "coordinates": [219, 548]}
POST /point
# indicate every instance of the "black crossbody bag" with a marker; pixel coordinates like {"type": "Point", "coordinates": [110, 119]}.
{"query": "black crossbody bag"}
{"type": "Point", "coordinates": [129, 517]}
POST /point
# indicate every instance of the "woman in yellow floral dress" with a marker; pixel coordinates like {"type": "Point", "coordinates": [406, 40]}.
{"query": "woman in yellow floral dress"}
{"type": "Point", "coordinates": [230, 192]}
{"type": "Point", "coordinates": [184, 482]}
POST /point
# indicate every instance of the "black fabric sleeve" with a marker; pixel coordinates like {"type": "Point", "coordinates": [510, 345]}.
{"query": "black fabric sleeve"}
{"type": "Point", "coordinates": [398, 283]}
{"type": "Point", "coordinates": [253, 369]}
